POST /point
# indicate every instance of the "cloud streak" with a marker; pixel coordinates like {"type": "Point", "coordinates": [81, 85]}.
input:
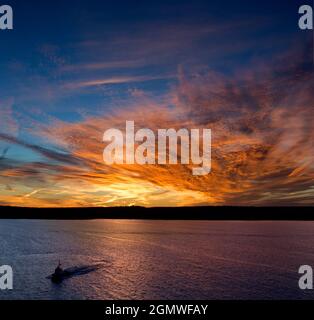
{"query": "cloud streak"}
{"type": "Point", "coordinates": [114, 80]}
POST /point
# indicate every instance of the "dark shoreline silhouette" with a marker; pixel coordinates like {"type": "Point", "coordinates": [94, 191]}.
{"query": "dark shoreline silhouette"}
{"type": "Point", "coordinates": [161, 213]}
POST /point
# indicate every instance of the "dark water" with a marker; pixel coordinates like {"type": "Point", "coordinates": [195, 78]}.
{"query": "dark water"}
{"type": "Point", "coordinates": [158, 259]}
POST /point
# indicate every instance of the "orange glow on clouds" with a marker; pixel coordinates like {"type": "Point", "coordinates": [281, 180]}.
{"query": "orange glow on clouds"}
{"type": "Point", "coordinates": [263, 133]}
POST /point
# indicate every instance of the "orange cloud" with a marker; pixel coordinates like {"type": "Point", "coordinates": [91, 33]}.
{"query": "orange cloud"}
{"type": "Point", "coordinates": [262, 124]}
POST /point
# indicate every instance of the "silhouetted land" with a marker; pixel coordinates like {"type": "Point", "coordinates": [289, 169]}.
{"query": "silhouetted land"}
{"type": "Point", "coordinates": [162, 213]}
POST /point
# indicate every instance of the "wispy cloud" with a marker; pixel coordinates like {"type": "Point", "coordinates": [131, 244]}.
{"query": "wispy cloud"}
{"type": "Point", "coordinates": [50, 154]}
{"type": "Point", "coordinates": [8, 121]}
{"type": "Point", "coordinates": [115, 80]}
{"type": "Point", "coordinates": [262, 123]}
{"type": "Point", "coordinates": [106, 65]}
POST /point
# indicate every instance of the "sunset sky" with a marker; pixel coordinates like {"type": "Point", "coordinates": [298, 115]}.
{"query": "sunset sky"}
{"type": "Point", "coordinates": [72, 69]}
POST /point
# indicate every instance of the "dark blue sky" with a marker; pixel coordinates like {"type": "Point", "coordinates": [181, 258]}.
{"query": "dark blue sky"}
{"type": "Point", "coordinates": [58, 47]}
{"type": "Point", "coordinates": [68, 57]}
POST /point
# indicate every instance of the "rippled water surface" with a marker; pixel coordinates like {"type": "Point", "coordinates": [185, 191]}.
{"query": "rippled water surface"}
{"type": "Point", "coordinates": [158, 259]}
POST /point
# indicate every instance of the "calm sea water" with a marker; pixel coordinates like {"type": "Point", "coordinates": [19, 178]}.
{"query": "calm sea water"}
{"type": "Point", "coordinates": [158, 259]}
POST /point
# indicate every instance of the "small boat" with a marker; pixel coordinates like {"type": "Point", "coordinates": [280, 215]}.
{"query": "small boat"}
{"type": "Point", "coordinates": [59, 275]}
